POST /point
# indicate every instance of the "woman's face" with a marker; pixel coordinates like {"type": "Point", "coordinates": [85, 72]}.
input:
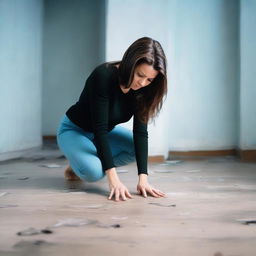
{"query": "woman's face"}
{"type": "Point", "coordinates": [144, 74]}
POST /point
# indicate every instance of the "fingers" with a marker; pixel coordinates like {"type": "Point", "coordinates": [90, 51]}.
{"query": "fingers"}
{"type": "Point", "coordinates": [123, 195]}
{"type": "Point", "coordinates": [117, 193]}
{"type": "Point", "coordinates": [152, 191]}
{"type": "Point", "coordinates": [159, 193]}
{"type": "Point", "coordinates": [142, 190]}
{"type": "Point", "coordinates": [111, 194]}
{"type": "Point", "coordinates": [128, 194]}
{"type": "Point", "coordinates": [144, 193]}
{"type": "Point", "coordinates": [154, 194]}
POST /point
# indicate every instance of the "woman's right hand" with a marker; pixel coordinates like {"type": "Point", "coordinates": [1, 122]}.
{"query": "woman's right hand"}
{"type": "Point", "coordinates": [117, 188]}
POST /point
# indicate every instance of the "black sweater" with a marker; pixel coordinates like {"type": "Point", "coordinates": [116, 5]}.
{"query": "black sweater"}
{"type": "Point", "coordinates": [102, 105]}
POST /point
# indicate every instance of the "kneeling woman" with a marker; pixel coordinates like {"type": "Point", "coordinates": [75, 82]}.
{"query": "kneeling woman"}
{"type": "Point", "coordinates": [89, 134]}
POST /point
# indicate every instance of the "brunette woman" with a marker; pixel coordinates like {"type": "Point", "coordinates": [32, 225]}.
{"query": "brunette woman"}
{"type": "Point", "coordinates": [89, 134]}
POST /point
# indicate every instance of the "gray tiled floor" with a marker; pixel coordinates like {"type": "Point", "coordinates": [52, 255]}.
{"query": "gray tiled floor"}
{"type": "Point", "coordinates": [212, 197]}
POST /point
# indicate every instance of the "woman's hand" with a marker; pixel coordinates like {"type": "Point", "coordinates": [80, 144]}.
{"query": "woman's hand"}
{"type": "Point", "coordinates": [117, 188]}
{"type": "Point", "coordinates": [143, 187]}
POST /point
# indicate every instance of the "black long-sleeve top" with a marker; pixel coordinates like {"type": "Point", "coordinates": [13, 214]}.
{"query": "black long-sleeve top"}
{"type": "Point", "coordinates": [102, 105]}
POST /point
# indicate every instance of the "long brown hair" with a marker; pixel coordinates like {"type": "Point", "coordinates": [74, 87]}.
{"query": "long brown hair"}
{"type": "Point", "coordinates": [150, 98]}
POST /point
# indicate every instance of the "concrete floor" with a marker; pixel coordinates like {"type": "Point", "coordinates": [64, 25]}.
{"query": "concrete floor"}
{"type": "Point", "coordinates": [208, 201]}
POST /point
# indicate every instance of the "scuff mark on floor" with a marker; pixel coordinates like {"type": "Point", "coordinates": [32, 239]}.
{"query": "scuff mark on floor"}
{"type": "Point", "coordinates": [73, 222]}
{"type": "Point", "coordinates": [8, 205]}
{"type": "Point", "coordinates": [33, 231]}
{"type": "Point", "coordinates": [50, 165]}
{"type": "Point", "coordinates": [163, 205]}
{"type": "Point", "coordinates": [23, 178]}
{"type": "Point", "coordinates": [247, 221]}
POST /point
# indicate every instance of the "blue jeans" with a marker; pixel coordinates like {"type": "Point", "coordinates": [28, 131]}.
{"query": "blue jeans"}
{"type": "Point", "coordinates": [78, 147]}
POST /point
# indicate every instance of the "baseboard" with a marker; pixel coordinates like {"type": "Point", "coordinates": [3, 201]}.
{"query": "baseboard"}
{"type": "Point", "coordinates": [244, 155]}
{"type": "Point", "coordinates": [247, 155]}
{"type": "Point", "coordinates": [49, 137]}
{"type": "Point", "coordinates": [156, 159]}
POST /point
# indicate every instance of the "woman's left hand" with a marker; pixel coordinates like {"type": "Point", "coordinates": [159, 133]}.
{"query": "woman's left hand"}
{"type": "Point", "coordinates": [144, 187]}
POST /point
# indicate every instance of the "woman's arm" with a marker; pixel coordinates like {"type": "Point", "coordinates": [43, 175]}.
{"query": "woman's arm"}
{"type": "Point", "coordinates": [140, 137]}
{"type": "Point", "coordinates": [140, 133]}
{"type": "Point", "coordinates": [100, 117]}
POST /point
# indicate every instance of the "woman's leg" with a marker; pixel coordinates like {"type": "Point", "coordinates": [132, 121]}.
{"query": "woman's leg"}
{"type": "Point", "coordinates": [79, 149]}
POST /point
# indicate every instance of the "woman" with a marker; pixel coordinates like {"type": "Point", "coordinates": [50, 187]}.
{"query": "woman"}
{"type": "Point", "coordinates": [89, 134]}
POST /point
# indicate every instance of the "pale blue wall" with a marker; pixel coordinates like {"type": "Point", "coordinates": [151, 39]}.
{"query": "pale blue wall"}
{"type": "Point", "coordinates": [74, 43]}
{"type": "Point", "coordinates": [204, 83]}
{"type": "Point", "coordinates": [20, 76]}
{"type": "Point", "coordinates": [248, 74]}
{"type": "Point", "coordinates": [201, 41]}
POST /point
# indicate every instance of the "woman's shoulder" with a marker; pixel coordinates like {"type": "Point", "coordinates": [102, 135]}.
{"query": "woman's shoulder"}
{"type": "Point", "coordinates": [106, 66]}
{"type": "Point", "coordinates": [106, 71]}
{"type": "Point", "coordinates": [104, 76]}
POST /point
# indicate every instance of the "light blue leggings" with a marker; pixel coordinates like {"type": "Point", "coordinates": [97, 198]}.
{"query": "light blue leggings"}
{"type": "Point", "coordinates": [79, 148]}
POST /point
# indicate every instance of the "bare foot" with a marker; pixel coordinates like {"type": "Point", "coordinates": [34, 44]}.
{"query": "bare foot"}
{"type": "Point", "coordinates": [70, 175]}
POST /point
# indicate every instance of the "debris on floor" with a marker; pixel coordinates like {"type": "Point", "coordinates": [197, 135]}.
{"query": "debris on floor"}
{"type": "Point", "coordinates": [171, 162]}
{"type": "Point", "coordinates": [7, 173]}
{"type": "Point", "coordinates": [23, 178]}
{"type": "Point", "coordinates": [70, 192]}
{"type": "Point", "coordinates": [247, 221]}
{"type": "Point", "coordinates": [73, 222]}
{"type": "Point", "coordinates": [164, 171]}
{"type": "Point", "coordinates": [164, 205]}
{"type": "Point", "coordinates": [109, 226]}
{"type": "Point", "coordinates": [246, 187]}
{"type": "Point", "coordinates": [119, 218]}
{"type": "Point", "coordinates": [28, 244]}
{"type": "Point", "coordinates": [191, 171]}
{"type": "Point", "coordinates": [46, 231]}
{"type": "Point", "coordinates": [28, 232]}
{"type": "Point", "coordinates": [4, 193]}
{"type": "Point", "coordinates": [50, 165]}
{"type": "Point", "coordinates": [8, 205]}
{"type": "Point", "coordinates": [33, 231]}
{"type": "Point", "coordinates": [116, 225]}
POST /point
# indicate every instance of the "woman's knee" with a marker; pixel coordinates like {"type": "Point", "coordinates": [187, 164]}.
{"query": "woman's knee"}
{"type": "Point", "coordinates": [90, 173]}
{"type": "Point", "coordinates": [94, 176]}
